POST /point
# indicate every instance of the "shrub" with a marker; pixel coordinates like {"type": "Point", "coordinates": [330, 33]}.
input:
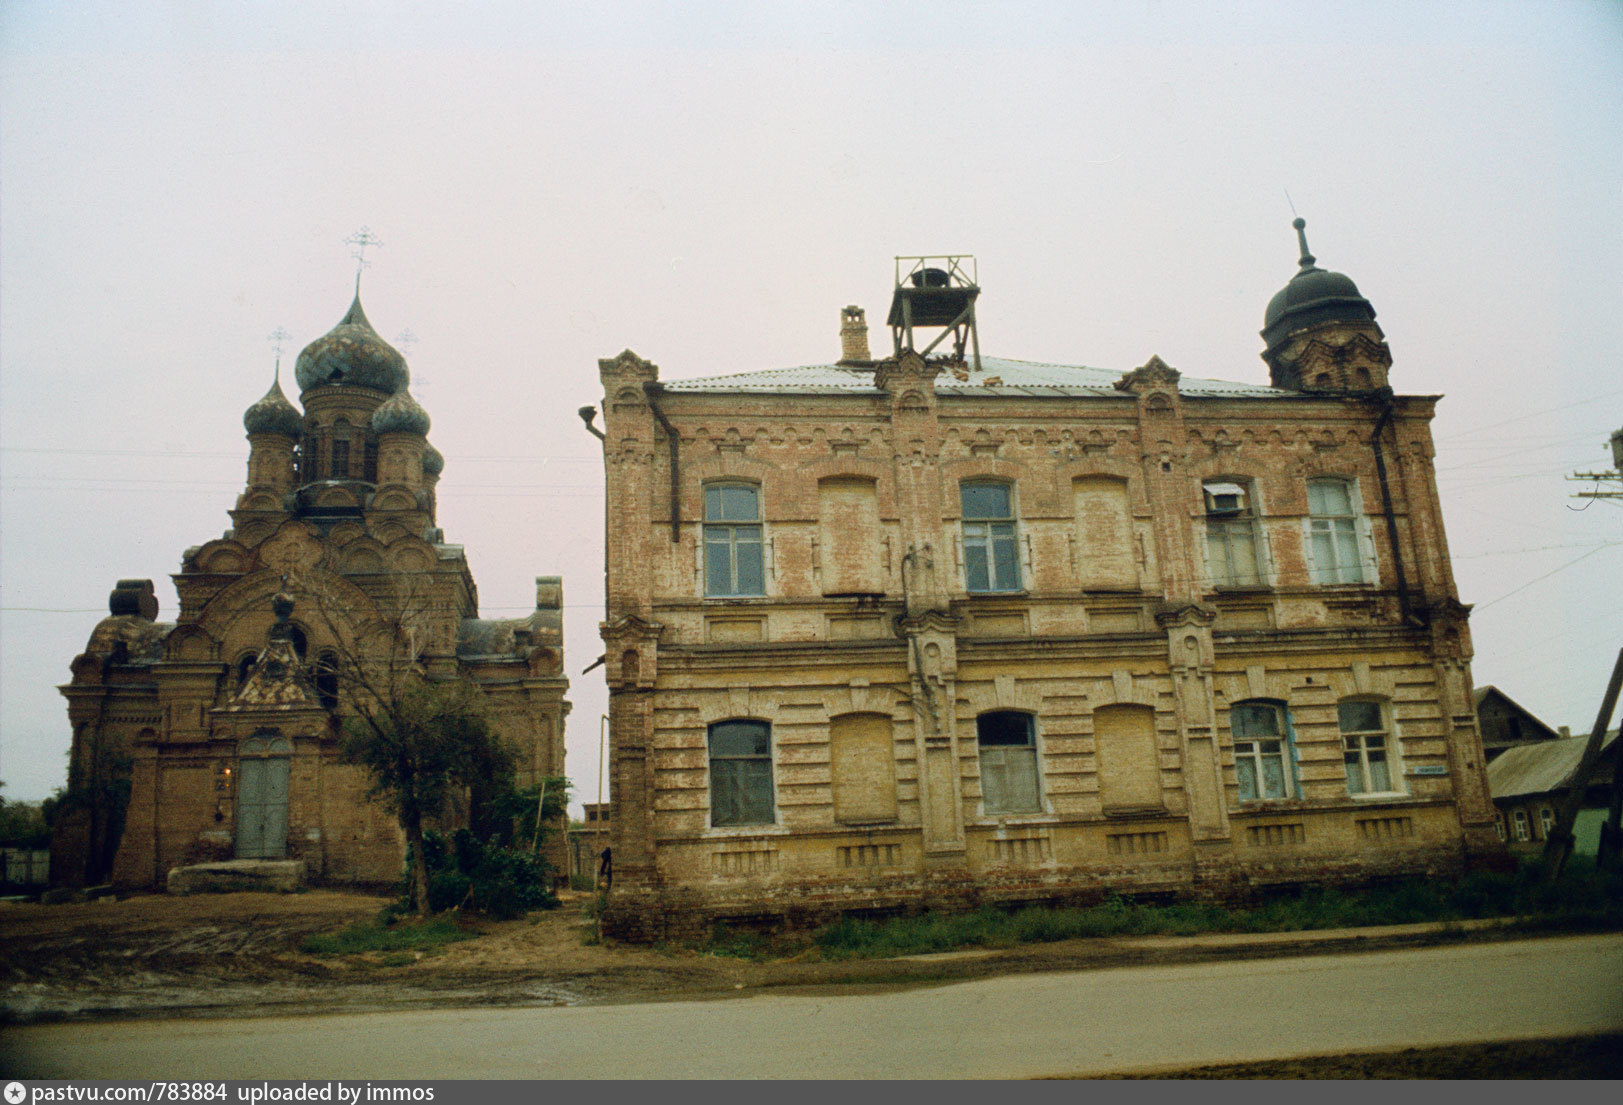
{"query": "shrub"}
{"type": "Point", "coordinates": [500, 881]}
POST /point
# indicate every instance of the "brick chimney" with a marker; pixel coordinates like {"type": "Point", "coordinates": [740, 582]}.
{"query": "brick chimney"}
{"type": "Point", "coordinates": [854, 336]}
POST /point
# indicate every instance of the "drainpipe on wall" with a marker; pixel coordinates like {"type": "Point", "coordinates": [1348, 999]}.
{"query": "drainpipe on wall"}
{"type": "Point", "coordinates": [651, 389]}
{"type": "Point", "coordinates": [1387, 409]}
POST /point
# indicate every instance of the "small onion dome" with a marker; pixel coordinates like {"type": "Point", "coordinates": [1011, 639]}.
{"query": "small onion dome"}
{"type": "Point", "coordinates": [273, 415]}
{"type": "Point", "coordinates": [400, 414]}
{"type": "Point", "coordinates": [1313, 297]}
{"type": "Point", "coordinates": [352, 355]}
{"type": "Point", "coordinates": [433, 462]}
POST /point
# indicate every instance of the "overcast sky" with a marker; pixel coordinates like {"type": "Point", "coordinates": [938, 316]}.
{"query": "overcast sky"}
{"type": "Point", "coordinates": [707, 184]}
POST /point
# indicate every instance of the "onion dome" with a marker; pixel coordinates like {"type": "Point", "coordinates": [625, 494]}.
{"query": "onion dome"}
{"type": "Point", "coordinates": [352, 355]}
{"type": "Point", "coordinates": [400, 414]}
{"type": "Point", "coordinates": [433, 462]}
{"type": "Point", "coordinates": [1313, 297]}
{"type": "Point", "coordinates": [273, 415]}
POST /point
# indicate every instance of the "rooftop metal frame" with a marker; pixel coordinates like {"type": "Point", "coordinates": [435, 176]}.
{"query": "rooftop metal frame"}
{"type": "Point", "coordinates": [936, 290]}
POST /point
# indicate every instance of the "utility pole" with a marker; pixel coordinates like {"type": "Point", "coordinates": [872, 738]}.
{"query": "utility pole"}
{"type": "Point", "coordinates": [1612, 480]}
{"type": "Point", "coordinates": [1558, 841]}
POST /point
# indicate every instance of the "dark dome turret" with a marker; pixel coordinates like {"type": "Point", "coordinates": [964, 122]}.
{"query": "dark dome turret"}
{"type": "Point", "coordinates": [352, 355]}
{"type": "Point", "coordinates": [400, 413]}
{"type": "Point", "coordinates": [273, 414]}
{"type": "Point", "coordinates": [433, 462]}
{"type": "Point", "coordinates": [1313, 297]}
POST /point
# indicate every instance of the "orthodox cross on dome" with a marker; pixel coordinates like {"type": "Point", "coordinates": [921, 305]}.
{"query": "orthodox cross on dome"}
{"type": "Point", "coordinates": [278, 337]}
{"type": "Point", "coordinates": [360, 240]}
{"type": "Point", "coordinates": [407, 341]}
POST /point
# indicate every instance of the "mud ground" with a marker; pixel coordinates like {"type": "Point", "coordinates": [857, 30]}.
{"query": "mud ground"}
{"type": "Point", "coordinates": [238, 955]}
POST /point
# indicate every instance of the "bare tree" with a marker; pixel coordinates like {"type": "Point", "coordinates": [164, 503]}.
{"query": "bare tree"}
{"type": "Point", "coordinates": [423, 735]}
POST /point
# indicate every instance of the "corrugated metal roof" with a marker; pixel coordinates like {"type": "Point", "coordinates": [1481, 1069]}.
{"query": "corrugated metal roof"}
{"type": "Point", "coordinates": [1026, 378]}
{"type": "Point", "coordinates": [1538, 768]}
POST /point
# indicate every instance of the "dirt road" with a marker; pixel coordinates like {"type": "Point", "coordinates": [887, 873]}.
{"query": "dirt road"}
{"type": "Point", "coordinates": [1045, 1024]}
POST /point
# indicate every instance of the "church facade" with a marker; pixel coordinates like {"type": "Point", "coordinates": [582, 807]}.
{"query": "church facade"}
{"type": "Point", "coordinates": [223, 725]}
{"type": "Point", "coordinates": [941, 630]}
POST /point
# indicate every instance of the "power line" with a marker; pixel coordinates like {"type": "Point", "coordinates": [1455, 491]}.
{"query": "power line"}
{"type": "Point", "coordinates": [1536, 579]}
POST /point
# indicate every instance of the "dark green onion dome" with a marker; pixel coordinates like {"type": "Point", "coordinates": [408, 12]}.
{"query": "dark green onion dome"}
{"type": "Point", "coordinates": [1314, 296]}
{"type": "Point", "coordinates": [433, 462]}
{"type": "Point", "coordinates": [352, 355]}
{"type": "Point", "coordinates": [273, 415]}
{"type": "Point", "coordinates": [400, 414]}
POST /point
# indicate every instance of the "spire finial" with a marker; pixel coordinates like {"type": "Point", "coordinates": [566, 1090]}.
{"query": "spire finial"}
{"type": "Point", "coordinates": [360, 240]}
{"type": "Point", "coordinates": [276, 337]}
{"type": "Point", "coordinates": [1301, 236]}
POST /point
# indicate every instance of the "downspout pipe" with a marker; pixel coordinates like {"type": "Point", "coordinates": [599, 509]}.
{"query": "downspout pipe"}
{"type": "Point", "coordinates": [1387, 410]}
{"type": "Point", "coordinates": [650, 390]}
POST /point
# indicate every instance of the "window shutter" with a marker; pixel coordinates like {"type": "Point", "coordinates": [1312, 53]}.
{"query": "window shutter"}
{"type": "Point", "coordinates": [1315, 574]}
{"type": "Point", "coordinates": [1366, 548]}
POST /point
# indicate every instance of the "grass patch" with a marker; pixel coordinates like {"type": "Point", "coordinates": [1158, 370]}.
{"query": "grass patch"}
{"type": "Point", "coordinates": [376, 936]}
{"type": "Point", "coordinates": [1583, 900]}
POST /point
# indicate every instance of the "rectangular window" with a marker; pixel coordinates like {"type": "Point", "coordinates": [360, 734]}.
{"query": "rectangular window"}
{"type": "Point", "coordinates": [1546, 821]}
{"type": "Point", "coordinates": [1262, 755]}
{"type": "Point", "coordinates": [1366, 748]}
{"type": "Point", "coordinates": [741, 773]}
{"type": "Point", "coordinates": [1518, 825]}
{"type": "Point", "coordinates": [1008, 755]}
{"type": "Point", "coordinates": [340, 459]}
{"type": "Point", "coordinates": [1231, 535]}
{"type": "Point", "coordinates": [732, 541]}
{"type": "Point", "coordinates": [1333, 533]}
{"type": "Point", "coordinates": [369, 470]}
{"type": "Point", "coordinates": [991, 557]}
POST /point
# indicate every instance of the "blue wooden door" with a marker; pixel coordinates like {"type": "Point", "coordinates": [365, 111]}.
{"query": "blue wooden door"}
{"type": "Point", "coordinates": [262, 808]}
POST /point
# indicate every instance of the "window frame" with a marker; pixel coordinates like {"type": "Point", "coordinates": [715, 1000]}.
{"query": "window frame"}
{"type": "Point", "coordinates": [1391, 749]}
{"type": "Point", "coordinates": [1290, 779]}
{"type": "Point", "coordinates": [987, 539]}
{"type": "Point", "coordinates": [725, 533]}
{"type": "Point", "coordinates": [1221, 525]}
{"type": "Point", "coordinates": [1546, 821]}
{"type": "Point", "coordinates": [770, 775]}
{"type": "Point", "coordinates": [1349, 529]}
{"type": "Point", "coordinates": [1031, 761]}
{"type": "Point", "coordinates": [1521, 829]}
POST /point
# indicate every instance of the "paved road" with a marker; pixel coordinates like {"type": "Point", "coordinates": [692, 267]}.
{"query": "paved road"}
{"type": "Point", "coordinates": [1071, 1022]}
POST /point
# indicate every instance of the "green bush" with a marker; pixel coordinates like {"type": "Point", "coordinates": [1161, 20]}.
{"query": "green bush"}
{"type": "Point", "coordinates": [495, 879]}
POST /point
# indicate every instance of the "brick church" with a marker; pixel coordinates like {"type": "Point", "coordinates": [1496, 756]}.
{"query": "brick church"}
{"type": "Point", "coordinates": [223, 725]}
{"type": "Point", "coordinates": [933, 627]}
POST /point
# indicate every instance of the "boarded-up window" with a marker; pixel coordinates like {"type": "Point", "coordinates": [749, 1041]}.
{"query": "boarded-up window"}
{"type": "Point", "coordinates": [848, 534]}
{"type": "Point", "coordinates": [1104, 533]}
{"type": "Point", "coordinates": [1129, 765]}
{"type": "Point", "coordinates": [1008, 753]}
{"type": "Point", "coordinates": [863, 767]}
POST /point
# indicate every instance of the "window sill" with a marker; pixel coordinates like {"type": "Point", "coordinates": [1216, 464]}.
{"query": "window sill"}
{"type": "Point", "coordinates": [1380, 796]}
{"type": "Point", "coordinates": [1221, 589]}
{"type": "Point", "coordinates": [730, 832]}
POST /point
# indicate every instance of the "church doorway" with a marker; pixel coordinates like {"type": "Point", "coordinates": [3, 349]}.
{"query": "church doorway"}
{"type": "Point", "coordinates": [262, 791]}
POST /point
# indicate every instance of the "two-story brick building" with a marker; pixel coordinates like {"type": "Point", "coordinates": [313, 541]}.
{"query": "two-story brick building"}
{"type": "Point", "coordinates": [919, 629]}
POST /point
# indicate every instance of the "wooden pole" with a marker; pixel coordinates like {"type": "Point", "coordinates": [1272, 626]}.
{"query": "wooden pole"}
{"type": "Point", "coordinates": [1558, 841]}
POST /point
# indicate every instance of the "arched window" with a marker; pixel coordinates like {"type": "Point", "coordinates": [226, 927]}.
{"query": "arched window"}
{"type": "Point", "coordinates": [732, 541]}
{"type": "Point", "coordinates": [1518, 825]}
{"type": "Point", "coordinates": [1008, 756]}
{"type": "Point", "coordinates": [301, 643]}
{"type": "Point", "coordinates": [369, 464]}
{"type": "Point", "coordinates": [991, 546]}
{"type": "Point", "coordinates": [1333, 532]}
{"type": "Point", "coordinates": [1368, 748]}
{"type": "Point", "coordinates": [326, 680]}
{"type": "Point", "coordinates": [245, 667]}
{"type": "Point", "coordinates": [1263, 757]}
{"type": "Point", "coordinates": [741, 773]}
{"type": "Point", "coordinates": [340, 450]}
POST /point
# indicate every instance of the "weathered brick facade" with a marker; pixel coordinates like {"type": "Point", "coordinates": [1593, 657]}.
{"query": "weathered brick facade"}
{"type": "Point", "coordinates": [858, 698]}
{"type": "Point", "coordinates": [226, 730]}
